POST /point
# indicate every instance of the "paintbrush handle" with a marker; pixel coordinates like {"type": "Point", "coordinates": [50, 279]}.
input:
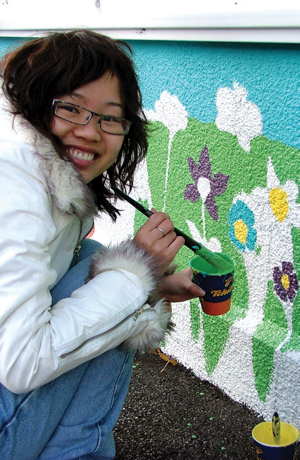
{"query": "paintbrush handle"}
{"type": "Point", "coordinates": [189, 242]}
{"type": "Point", "coordinates": [276, 426]}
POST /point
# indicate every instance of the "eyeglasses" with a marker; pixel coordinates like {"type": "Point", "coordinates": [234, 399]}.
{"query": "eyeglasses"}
{"type": "Point", "coordinates": [78, 115]}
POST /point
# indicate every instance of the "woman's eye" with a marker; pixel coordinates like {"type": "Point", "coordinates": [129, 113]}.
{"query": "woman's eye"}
{"type": "Point", "coordinates": [69, 108]}
{"type": "Point", "coordinates": [109, 118]}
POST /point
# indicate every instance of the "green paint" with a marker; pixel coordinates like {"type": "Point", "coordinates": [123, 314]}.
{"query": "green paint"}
{"type": "Point", "coordinates": [195, 319]}
{"type": "Point", "coordinates": [139, 218]}
{"type": "Point", "coordinates": [266, 339]}
{"type": "Point", "coordinates": [214, 264]}
{"type": "Point", "coordinates": [247, 171]}
{"type": "Point", "coordinates": [157, 163]}
{"type": "Point", "coordinates": [294, 342]}
{"type": "Point", "coordinates": [216, 333]}
{"type": "Point", "coordinates": [258, 250]}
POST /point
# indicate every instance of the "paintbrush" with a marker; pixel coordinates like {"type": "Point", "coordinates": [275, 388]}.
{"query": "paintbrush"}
{"type": "Point", "coordinates": [189, 242]}
{"type": "Point", "coordinates": [214, 259]}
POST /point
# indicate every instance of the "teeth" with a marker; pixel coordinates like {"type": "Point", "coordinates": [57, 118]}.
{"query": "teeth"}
{"type": "Point", "coordinates": [80, 155]}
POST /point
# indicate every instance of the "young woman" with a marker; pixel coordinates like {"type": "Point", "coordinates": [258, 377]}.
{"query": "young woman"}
{"type": "Point", "coordinates": [71, 126]}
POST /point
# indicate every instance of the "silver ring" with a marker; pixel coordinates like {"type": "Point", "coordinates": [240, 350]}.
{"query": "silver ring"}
{"type": "Point", "coordinates": [161, 230]}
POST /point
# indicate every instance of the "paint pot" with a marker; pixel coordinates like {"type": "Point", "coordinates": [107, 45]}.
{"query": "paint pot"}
{"type": "Point", "coordinates": [216, 281]}
{"type": "Point", "coordinates": [270, 448]}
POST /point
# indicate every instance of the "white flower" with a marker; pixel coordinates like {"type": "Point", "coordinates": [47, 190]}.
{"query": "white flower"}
{"type": "Point", "coordinates": [282, 198]}
{"type": "Point", "coordinates": [173, 115]}
{"type": "Point", "coordinates": [170, 112]}
{"type": "Point", "coordinates": [238, 116]}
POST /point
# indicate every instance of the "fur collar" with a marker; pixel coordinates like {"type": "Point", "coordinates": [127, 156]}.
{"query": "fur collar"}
{"type": "Point", "coordinates": [65, 184]}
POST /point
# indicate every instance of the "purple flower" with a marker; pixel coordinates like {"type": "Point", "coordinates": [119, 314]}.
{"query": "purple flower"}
{"type": "Point", "coordinates": [285, 281]}
{"type": "Point", "coordinates": [205, 186]}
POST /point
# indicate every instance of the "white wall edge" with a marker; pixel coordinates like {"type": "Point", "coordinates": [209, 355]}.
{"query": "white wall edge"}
{"type": "Point", "coordinates": [253, 35]}
{"type": "Point", "coordinates": [168, 20]}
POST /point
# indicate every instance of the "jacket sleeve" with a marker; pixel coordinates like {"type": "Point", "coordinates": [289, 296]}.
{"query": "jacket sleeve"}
{"type": "Point", "coordinates": [117, 305]}
{"type": "Point", "coordinates": [127, 256]}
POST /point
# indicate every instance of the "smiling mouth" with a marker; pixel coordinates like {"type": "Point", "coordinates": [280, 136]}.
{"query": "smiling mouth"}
{"type": "Point", "coordinates": [80, 156]}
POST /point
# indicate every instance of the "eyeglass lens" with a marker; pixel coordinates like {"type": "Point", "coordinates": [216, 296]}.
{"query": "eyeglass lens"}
{"type": "Point", "coordinates": [78, 115]}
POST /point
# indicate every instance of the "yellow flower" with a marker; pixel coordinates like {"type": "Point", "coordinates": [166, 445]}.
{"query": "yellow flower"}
{"type": "Point", "coordinates": [279, 203]}
{"type": "Point", "coordinates": [282, 199]}
{"type": "Point", "coordinates": [241, 231]}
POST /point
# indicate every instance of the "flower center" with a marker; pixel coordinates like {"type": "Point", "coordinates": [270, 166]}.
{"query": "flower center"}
{"type": "Point", "coordinates": [241, 231]}
{"type": "Point", "coordinates": [203, 187]}
{"type": "Point", "coordinates": [279, 203]}
{"type": "Point", "coordinates": [285, 281]}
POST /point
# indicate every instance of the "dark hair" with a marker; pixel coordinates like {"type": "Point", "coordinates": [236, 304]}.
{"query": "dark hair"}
{"type": "Point", "coordinates": [57, 64]}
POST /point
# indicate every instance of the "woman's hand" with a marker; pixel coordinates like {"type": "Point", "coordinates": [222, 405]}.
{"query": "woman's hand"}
{"type": "Point", "coordinates": [180, 287]}
{"type": "Point", "coordinates": [158, 238]}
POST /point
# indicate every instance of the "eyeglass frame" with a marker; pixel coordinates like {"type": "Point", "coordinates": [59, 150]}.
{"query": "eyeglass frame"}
{"type": "Point", "coordinates": [93, 114]}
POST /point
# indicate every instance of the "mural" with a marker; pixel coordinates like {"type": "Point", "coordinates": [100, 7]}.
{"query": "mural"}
{"type": "Point", "coordinates": [237, 192]}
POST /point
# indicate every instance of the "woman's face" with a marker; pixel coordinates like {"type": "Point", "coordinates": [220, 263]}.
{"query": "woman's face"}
{"type": "Point", "coordinates": [91, 150]}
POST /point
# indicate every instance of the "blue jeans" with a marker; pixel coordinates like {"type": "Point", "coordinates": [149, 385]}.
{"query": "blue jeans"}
{"type": "Point", "coordinates": [71, 417]}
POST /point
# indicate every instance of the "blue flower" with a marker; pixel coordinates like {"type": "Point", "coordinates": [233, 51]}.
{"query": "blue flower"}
{"type": "Point", "coordinates": [241, 220]}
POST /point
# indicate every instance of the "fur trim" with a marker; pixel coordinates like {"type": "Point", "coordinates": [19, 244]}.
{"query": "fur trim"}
{"type": "Point", "coordinates": [151, 337]}
{"type": "Point", "coordinates": [127, 256]}
{"type": "Point", "coordinates": [65, 183]}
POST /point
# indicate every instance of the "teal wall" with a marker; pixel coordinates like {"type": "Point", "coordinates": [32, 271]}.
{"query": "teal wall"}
{"type": "Point", "coordinates": [194, 72]}
{"type": "Point", "coordinates": [6, 43]}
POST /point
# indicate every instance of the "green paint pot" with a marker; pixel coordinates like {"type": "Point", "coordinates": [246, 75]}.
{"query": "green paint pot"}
{"type": "Point", "coordinates": [269, 448]}
{"type": "Point", "coordinates": [216, 279]}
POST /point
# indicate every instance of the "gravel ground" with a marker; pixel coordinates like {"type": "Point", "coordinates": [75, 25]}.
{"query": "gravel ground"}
{"type": "Point", "coordinates": [170, 414]}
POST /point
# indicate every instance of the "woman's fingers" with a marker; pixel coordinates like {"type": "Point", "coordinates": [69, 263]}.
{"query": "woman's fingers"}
{"type": "Point", "coordinates": [158, 238]}
{"type": "Point", "coordinates": [180, 287]}
{"type": "Point", "coordinates": [156, 227]}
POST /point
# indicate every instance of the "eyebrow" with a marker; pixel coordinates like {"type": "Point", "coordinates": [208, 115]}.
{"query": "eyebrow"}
{"type": "Point", "coordinates": [109, 103]}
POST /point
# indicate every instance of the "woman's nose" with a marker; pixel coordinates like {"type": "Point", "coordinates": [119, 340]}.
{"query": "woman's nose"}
{"type": "Point", "coordinates": [91, 131]}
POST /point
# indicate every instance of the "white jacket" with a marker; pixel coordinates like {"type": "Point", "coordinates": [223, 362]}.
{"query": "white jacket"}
{"type": "Point", "coordinates": [45, 209]}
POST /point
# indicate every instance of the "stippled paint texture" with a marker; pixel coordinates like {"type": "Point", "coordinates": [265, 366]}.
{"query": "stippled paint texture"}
{"type": "Point", "coordinates": [223, 161]}
{"type": "Point", "coordinates": [252, 217]}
